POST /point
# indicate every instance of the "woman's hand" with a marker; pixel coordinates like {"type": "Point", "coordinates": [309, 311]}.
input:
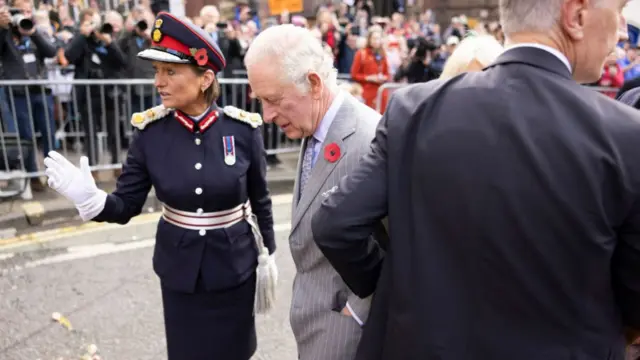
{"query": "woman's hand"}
{"type": "Point", "coordinates": [5, 18]}
{"type": "Point", "coordinates": [76, 184]}
{"type": "Point", "coordinates": [372, 78]}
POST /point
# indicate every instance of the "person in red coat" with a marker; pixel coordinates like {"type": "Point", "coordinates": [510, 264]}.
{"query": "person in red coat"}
{"type": "Point", "coordinates": [370, 70]}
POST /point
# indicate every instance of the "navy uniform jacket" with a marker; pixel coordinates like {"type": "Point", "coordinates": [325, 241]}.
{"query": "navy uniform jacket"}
{"type": "Point", "coordinates": [177, 162]}
{"type": "Point", "coordinates": [513, 197]}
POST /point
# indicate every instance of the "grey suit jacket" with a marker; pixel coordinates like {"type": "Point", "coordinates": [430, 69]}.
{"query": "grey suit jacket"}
{"type": "Point", "coordinates": [321, 331]}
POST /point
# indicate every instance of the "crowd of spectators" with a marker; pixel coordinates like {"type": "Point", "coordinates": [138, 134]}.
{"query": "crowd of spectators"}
{"type": "Point", "coordinates": [79, 40]}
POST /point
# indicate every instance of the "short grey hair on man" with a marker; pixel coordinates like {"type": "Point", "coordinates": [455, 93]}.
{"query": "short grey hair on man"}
{"type": "Point", "coordinates": [529, 15]}
{"type": "Point", "coordinates": [297, 51]}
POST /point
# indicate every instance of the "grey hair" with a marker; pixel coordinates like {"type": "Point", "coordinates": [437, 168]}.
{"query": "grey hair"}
{"type": "Point", "coordinates": [298, 52]}
{"type": "Point", "coordinates": [207, 9]}
{"type": "Point", "coordinates": [114, 16]}
{"type": "Point", "coordinates": [531, 15]}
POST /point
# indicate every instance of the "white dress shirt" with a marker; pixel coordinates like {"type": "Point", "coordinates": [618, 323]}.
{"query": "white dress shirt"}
{"type": "Point", "coordinates": [549, 49]}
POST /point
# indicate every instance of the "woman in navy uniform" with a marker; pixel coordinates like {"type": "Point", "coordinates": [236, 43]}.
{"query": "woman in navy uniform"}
{"type": "Point", "coordinates": [207, 167]}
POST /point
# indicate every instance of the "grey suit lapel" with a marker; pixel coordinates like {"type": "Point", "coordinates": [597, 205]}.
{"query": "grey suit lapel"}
{"type": "Point", "coordinates": [342, 127]}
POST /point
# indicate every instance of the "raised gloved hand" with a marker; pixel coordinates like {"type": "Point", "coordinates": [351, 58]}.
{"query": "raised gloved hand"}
{"type": "Point", "coordinates": [76, 184]}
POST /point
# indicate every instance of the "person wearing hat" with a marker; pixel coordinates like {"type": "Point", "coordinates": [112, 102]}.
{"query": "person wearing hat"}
{"type": "Point", "coordinates": [215, 240]}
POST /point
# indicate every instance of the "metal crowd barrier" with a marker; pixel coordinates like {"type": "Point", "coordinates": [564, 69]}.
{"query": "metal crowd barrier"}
{"type": "Point", "coordinates": [91, 117]}
{"type": "Point", "coordinates": [390, 87]}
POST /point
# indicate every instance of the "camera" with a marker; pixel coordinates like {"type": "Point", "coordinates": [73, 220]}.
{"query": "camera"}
{"type": "Point", "coordinates": [424, 48]}
{"type": "Point", "coordinates": [142, 25]}
{"type": "Point", "coordinates": [222, 25]}
{"type": "Point", "coordinates": [18, 19]}
{"type": "Point", "coordinates": [106, 29]}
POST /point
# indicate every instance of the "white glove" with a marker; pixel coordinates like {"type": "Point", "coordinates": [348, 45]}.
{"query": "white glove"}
{"type": "Point", "coordinates": [76, 184]}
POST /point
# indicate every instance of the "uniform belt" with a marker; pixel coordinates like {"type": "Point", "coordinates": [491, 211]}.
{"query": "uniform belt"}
{"type": "Point", "coordinates": [207, 221]}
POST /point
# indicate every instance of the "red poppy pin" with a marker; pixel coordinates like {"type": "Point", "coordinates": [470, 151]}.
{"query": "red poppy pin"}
{"type": "Point", "coordinates": [332, 152]}
{"type": "Point", "coordinates": [200, 55]}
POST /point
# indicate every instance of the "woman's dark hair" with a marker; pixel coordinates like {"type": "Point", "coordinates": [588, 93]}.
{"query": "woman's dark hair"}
{"type": "Point", "coordinates": [213, 91]}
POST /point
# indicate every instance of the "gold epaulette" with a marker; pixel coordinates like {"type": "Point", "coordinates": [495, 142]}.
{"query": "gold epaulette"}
{"type": "Point", "coordinates": [141, 119]}
{"type": "Point", "coordinates": [253, 119]}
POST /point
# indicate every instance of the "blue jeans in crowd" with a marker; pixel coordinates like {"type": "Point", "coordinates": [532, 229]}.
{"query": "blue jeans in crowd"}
{"type": "Point", "coordinates": [43, 122]}
{"type": "Point", "coordinates": [5, 109]}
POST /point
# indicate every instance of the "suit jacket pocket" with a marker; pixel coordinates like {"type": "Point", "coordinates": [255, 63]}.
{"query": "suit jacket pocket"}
{"type": "Point", "coordinates": [241, 248]}
{"type": "Point", "coordinates": [340, 301]}
{"type": "Point", "coordinates": [169, 238]}
{"type": "Point", "coordinates": [237, 231]}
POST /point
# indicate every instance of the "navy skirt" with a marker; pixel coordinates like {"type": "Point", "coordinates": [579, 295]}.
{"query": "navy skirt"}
{"type": "Point", "coordinates": [210, 325]}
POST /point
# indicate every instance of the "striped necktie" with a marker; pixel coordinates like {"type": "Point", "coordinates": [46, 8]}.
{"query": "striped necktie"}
{"type": "Point", "coordinates": [307, 162]}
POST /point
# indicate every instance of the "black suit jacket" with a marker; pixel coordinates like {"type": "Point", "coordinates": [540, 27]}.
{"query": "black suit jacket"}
{"type": "Point", "coordinates": [514, 218]}
{"type": "Point", "coordinates": [631, 97]}
{"type": "Point", "coordinates": [628, 85]}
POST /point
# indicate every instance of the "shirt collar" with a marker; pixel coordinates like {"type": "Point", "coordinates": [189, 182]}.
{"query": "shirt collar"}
{"type": "Point", "coordinates": [546, 48]}
{"type": "Point", "coordinates": [327, 119]}
{"type": "Point", "coordinates": [199, 117]}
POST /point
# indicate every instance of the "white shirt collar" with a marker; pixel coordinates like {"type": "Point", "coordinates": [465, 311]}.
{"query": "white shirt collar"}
{"type": "Point", "coordinates": [323, 128]}
{"type": "Point", "coordinates": [197, 118]}
{"type": "Point", "coordinates": [546, 48]}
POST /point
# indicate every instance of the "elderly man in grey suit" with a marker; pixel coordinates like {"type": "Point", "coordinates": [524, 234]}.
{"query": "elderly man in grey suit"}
{"type": "Point", "coordinates": [295, 80]}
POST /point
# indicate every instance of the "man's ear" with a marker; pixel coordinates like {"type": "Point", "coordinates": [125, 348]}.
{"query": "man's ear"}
{"type": "Point", "coordinates": [315, 85]}
{"type": "Point", "coordinates": [573, 18]}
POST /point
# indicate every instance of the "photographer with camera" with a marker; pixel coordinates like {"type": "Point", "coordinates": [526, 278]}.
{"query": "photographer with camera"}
{"type": "Point", "coordinates": [419, 67]}
{"type": "Point", "coordinates": [23, 50]}
{"type": "Point", "coordinates": [132, 42]}
{"type": "Point", "coordinates": [96, 56]}
{"type": "Point", "coordinates": [226, 37]}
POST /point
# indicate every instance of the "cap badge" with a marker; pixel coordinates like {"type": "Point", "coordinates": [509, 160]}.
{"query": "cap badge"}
{"type": "Point", "coordinates": [157, 35]}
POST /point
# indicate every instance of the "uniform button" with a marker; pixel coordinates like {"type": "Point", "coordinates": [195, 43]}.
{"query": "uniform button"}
{"type": "Point", "coordinates": [202, 232]}
{"type": "Point", "coordinates": [198, 191]}
{"type": "Point", "coordinates": [199, 211]}
{"type": "Point", "coordinates": [198, 166]}
{"type": "Point", "coordinates": [198, 141]}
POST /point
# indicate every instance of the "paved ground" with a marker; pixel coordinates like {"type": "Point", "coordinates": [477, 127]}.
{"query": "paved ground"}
{"type": "Point", "coordinates": [100, 277]}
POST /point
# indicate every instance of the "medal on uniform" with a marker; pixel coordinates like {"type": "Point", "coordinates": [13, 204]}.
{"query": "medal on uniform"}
{"type": "Point", "coordinates": [229, 150]}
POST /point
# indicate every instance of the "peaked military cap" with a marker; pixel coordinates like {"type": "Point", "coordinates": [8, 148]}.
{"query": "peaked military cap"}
{"type": "Point", "coordinates": [180, 41]}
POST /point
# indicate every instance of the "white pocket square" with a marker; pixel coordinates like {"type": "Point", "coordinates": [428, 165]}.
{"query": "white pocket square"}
{"type": "Point", "coordinates": [330, 191]}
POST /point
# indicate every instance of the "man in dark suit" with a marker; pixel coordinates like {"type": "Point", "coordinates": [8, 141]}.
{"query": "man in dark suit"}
{"type": "Point", "coordinates": [628, 86]}
{"type": "Point", "coordinates": [631, 97]}
{"type": "Point", "coordinates": [513, 198]}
